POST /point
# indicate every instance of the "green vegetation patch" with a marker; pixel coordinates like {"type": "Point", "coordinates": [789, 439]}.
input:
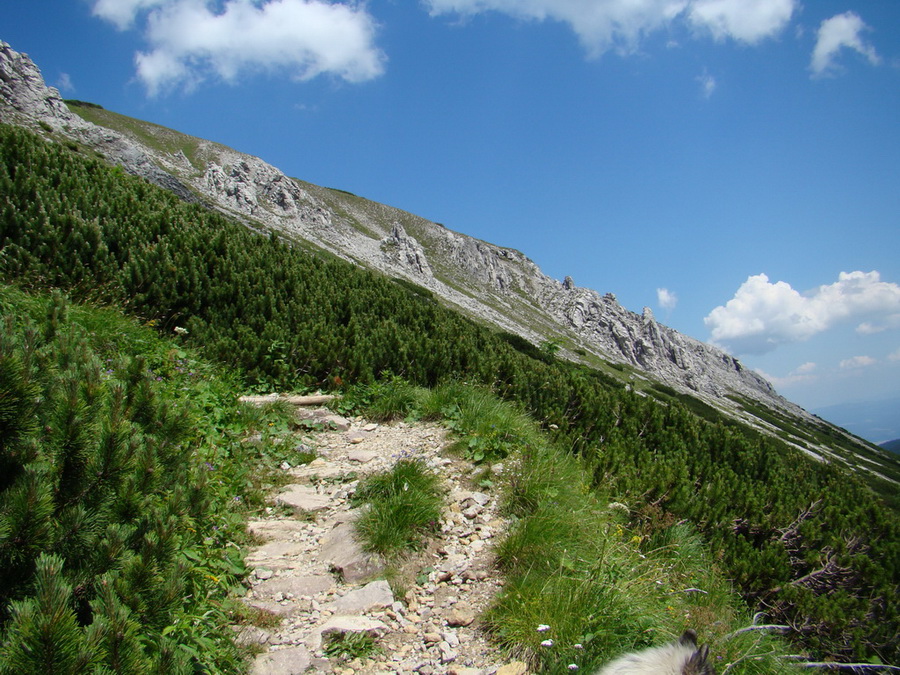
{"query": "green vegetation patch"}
{"type": "Point", "coordinates": [124, 486]}
{"type": "Point", "coordinates": [403, 505]}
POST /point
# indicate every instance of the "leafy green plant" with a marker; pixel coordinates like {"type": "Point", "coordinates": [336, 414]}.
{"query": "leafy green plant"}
{"type": "Point", "coordinates": [117, 499]}
{"type": "Point", "coordinates": [348, 646]}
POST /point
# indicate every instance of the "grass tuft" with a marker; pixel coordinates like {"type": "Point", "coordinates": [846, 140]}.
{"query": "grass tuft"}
{"type": "Point", "coordinates": [404, 504]}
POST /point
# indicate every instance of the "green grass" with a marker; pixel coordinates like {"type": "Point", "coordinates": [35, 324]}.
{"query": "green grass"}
{"type": "Point", "coordinates": [349, 646]}
{"type": "Point", "coordinates": [487, 427]}
{"type": "Point", "coordinates": [152, 135]}
{"type": "Point", "coordinates": [598, 579]}
{"type": "Point", "coordinates": [403, 506]}
{"type": "Point", "coordinates": [578, 567]}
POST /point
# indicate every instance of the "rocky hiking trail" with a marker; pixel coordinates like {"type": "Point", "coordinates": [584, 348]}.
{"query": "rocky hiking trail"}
{"type": "Point", "coordinates": [311, 573]}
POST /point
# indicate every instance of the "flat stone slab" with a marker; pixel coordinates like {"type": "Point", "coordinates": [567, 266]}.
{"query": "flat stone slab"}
{"type": "Point", "coordinates": [286, 608]}
{"type": "Point", "coordinates": [339, 625]}
{"type": "Point", "coordinates": [341, 550]}
{"type": "Point", "coordinates": [325, 418]}
{"type": "Point", "coordinates": [299, 586]}
{"type": "Point", "coordinates": [318, 467]}
{"type": "Point", "coordinates": [374, 595]}
{"type": "Point", "coordinates": [303, 497]}
{"type": "Point", "coordinates": [290, 661]}
{"type": "Point", "coordinates": [362, 456]}
{"type": "Point", "coordinates": [274, 550]}
{"type": "Point", "coordinates": [275, 529]}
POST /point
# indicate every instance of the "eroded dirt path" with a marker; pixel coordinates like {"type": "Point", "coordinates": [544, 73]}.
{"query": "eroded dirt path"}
{"type": "Point", "coordinates": [312, 574]}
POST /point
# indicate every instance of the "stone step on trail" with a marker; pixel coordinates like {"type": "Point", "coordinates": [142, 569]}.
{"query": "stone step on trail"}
{"type": "Point", "coordinates": [312, 575]}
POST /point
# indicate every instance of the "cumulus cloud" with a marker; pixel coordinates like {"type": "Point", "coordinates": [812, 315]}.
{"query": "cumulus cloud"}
{"type": "Point", "coordinates": [763, 315]}
{"type": "Point", "coordinates": [804, 373]}
{"type": "Point", "coordinates": [744, 20]}
{"type": "Point", "coordinates": [805, 369]}
{"type": "Point", "coordinates": [857, 362]}
{"type": "Point", "coordinates": [839, 32]}
{"type": "Point", "coordinates": [602, 25]}
{"type": "Point", "coordinates": [599, 26]}
{"type": "Point", "coordinates": [666, 298]}
{"type": "Point", "coordinates": [194, 40]}
{"type": "Point", "coordinates": [123, 12]}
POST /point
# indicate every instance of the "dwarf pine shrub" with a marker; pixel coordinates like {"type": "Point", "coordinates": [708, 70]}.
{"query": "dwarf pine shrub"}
{"type": "Point", "coordinates": [106, 563]}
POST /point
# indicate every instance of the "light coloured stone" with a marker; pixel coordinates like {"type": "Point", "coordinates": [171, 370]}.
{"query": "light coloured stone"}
{"type": "Point", "coordinates": [303, 497]}
{"type": "Point", "coordinates": [341, 550]}
{"type": "Point", "coordinates": [295, 586]}
{"type": "Point", "coordinates": [374, 595]}
{"type": "Point", "coordinates": [361, 456]}
{"type": "Point", "coordinates": [291, 661]}
{"type": "Point", "coordinates": [514, 668]}
{"type": "Point", "coordinates": [462, 614]}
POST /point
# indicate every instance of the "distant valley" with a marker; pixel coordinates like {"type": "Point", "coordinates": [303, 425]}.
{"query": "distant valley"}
{"type": "Point", "coordinates": [877, 421]}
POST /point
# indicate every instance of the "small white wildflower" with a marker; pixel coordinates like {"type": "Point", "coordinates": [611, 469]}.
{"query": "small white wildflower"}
{"type": "Point", "coordinates": [572, 666]}
{"type": "Point", "coordinates": [578, 645]}
{"type": "Point", "coordinates": [543, 628]}
{"type": "Point", "coordinates": [180, 331]}
{"type": "Point", "coordinates": [547, 643]}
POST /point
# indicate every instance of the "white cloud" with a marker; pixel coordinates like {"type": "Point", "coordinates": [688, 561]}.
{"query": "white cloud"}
{"type": "Point", "coordinates": [806, 368]}
{"type": "Point", "coordinates": [707, 84]}
{"type": "Point", "coordinates": [602, 25]}
{"type": "Point", "coordinates": [803, 374]}
{"type": "Point", "coordinates": [883, 324]}
{"type": "Point", "coordinates": [64, 82]}
{"type": "Point", "coordinates": [191, 41]}
{"type": "Point", "coordinates": [666, 298]}
{"type": "Point", "coordinates": [867, 328]}
{"type": "Point", "coordinates": [744, 20]}
{"type": "Point", "coordinates": [763, 315]}
{"type": "Point", "coordinates": [123, 12]}
{"type": "Point", "coordinates": [857, 362]}
{"type": "Point", "coordinates": [842, 30]}
{"type": "Point", "coordinates": [894, 356]}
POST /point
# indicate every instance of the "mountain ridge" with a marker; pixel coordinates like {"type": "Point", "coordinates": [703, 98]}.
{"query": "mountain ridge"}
{"type": "Point", "coordinates": [492, 284]}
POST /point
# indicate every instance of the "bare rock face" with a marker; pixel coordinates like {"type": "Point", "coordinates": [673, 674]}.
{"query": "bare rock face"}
{"type": "Point", "coordinates": [25, 98]}
{"type": "Point", "coordinates": [402, 250]}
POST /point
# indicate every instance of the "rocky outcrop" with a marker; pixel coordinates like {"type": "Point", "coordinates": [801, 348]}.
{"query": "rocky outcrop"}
{"type": "Point", "coordinates": [26, 100]}
{"type": "Point", "coordinates": [403, 251]}
{"type": "Point", "coordinates": [495, 284]}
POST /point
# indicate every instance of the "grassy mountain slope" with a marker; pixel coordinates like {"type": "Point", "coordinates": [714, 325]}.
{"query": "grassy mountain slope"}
{"type": "Point", "coordinates": [508, 296]}
{"type": "Point", "coordinates": [807, 542]}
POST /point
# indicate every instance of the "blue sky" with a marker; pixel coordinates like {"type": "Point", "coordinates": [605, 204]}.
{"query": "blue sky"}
{"type": "Point", "coordinates": [732, 164]}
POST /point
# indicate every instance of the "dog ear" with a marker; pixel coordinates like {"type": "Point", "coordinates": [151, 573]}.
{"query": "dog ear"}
{"type": "Point", "coordinates": [699, 664]}
{"type": "Point", "coordinates": [688, 638]}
